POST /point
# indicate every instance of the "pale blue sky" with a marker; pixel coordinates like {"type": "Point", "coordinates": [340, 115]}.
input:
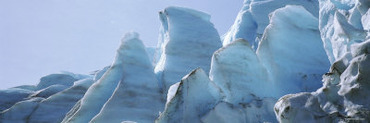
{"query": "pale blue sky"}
{"type": "Point", "coordinates": [40, 37]}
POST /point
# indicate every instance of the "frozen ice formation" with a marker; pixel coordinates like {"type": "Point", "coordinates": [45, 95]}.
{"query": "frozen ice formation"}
{"type": "Point", "coordinates": [253, 18]}
{"type": "Point", "coordinates": [344, 94]}
{"type": "Point", "coordinates": [127, 91]}
{"type": "Point", "coordinates": [188, 40]}
{"type": "Point", "coordinates": [274, 48]}
{"type": "Point", "coordinates": [236, 69]}
{"type": "Point", "coordinates": [292, 51]}
{"type": "Point", "coordinates": [195, 96]}
{"type": "Point", "coordinates": [290, 58]}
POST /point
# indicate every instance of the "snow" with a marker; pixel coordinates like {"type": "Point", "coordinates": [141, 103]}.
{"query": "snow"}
{"type": "Point", "coordinates": [195, 96]}
{"type": "Point", "coordinates": [188, 42]}
{"type": "Point", "coordinates": [172, 92]}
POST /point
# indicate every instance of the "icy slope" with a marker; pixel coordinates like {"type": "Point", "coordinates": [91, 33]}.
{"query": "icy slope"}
{"type": "Point", "coordinates": [344, 95]}
{"type": "Point", "coordinates": [188, 42]}
{"type": "Point", "coordinates": [254, 17]}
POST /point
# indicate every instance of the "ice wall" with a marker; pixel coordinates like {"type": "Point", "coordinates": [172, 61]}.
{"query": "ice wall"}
{"type": "Point", "coordinates": [188, 42]}
{"type": "Point", "coordinates": [292, 51]}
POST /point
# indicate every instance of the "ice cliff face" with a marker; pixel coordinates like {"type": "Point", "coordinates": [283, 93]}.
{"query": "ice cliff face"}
{"type": "Point", "coordinates": [188, 42]}
{"type": "Point", "coordinates": [344, 95]}
{"type": "Point", "coordinates": [292, 51]}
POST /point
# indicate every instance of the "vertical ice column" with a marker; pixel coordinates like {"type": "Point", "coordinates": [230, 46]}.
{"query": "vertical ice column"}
{"type": "Point", "coordinates": [188, 42]}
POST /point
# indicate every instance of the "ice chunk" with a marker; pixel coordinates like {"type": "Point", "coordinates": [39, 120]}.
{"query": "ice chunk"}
{"type": "Point", "coordinates": [244, 27]}
{"type": "Point", "coordinates": [189, 40]}
{"type": "Point", "coordinates": [237, 70]}
{"type": "Point", "coordinates": [291, 49]}
{"type": "Point", "coordinates": [195, 96]}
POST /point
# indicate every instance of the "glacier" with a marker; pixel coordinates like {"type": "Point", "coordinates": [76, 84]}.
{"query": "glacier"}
{"type": "Point", "coordinates": [281, 61]}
